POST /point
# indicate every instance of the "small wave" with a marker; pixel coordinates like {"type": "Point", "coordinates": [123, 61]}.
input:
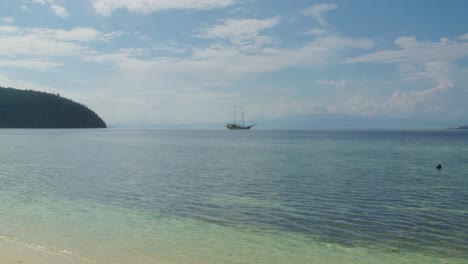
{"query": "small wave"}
{"type": "Point", "coordinates": [52, 254]}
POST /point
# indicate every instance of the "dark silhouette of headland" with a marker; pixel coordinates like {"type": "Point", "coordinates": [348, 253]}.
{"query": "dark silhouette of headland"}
{"type": "Point", "coordinates": [33, 109]}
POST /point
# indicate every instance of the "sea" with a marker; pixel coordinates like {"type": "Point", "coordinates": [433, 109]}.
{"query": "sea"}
{"type": "Point", "coordinates": [177, 196]}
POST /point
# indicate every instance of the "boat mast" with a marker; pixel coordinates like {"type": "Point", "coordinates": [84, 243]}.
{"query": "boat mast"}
{"type": "Point", "coordinates": [243, 117]}
{"type": "Point", "coordinates": [235, 115]}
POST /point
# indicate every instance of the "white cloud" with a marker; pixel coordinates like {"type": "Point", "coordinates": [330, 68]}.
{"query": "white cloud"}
{"type": "Point", "coordinates": [143, 36]}
{"type": "Point", "coordinates": [215, 67]}
{"type": "Point", "coordinates": [339, 84]}
{"type": "Point", "coordinates": [338, 42]}
{"type": "Point", "coordinates": [314, 32]}
{"type": "Point", "coordinates": [407, 42]}
{"type": "Point", "coordinates": [435, 70]}
{"type": "Point", "coordinates": [122, 56]}
{"type": "Point", "coordinates": [8, 29]}
{"type": "Point", "coordinates": [463, 37]}
{"type": "Point", "coordinates": [48, 42]}
{"type": "Point", "coordinates": [414, 51]}
{"type": "Point", "coordinates": [7, 19]}
{"type": "Point", "coordinates": [231, 61]}
{"type": "Point", "coordinates": [242, 35]}
{"type": "Point", "coordinates": [39, 65]}
{"type": "Point", "coordinates": [59, 10]}
{"type": "Point", "coordinates": [359, 105]}
{"type": "Point", "coordinates": [27, 47]}
{"type": "Point", "coordinates": [407, 101]}
{"type": "Point", "coordinates": [172, 47]}
{"type": "Point", "coordinates": [53, 5]}
{"type": "Point", "coordinates": [419, 62]}
{"type": "Point", "coordinates": [78, 34]}
{"type": "Point", "coordinates": [33, 45]}
{"type": "Point", "coordinates": [317, 11]}
{"type": "Point", "coordinates": [24, 7]}
{"type": "Point", "coordinates": [208, 74]}
{"type": "Point", "coordinates": [238, 30]}
{"type": "Point", "coordinates": [106, 7]}
{"type": "Point", "coordinates": [399, 104]}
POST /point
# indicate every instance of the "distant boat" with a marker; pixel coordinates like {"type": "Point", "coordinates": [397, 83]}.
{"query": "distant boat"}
{"type": "Point", "coordinates": [235, 126]}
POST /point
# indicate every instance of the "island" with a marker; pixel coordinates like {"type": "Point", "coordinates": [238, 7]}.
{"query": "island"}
{"type": "Point", "coordinates": [33, 109]}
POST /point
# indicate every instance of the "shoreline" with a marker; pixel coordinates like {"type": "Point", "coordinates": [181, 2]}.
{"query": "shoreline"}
{"type": "Point", "coordinates": [13, 251]}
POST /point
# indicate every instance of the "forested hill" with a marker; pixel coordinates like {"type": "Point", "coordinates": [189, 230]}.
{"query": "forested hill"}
{"type": "Point", "coordinates": [32, 109]}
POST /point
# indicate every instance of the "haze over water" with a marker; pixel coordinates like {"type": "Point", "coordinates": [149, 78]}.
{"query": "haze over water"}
{"type": "Point", "coordinates": [216, 196]}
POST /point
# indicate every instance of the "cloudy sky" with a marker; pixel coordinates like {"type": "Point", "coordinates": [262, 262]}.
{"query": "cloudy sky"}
{"type": "Point", "coordinates": [156, 62]}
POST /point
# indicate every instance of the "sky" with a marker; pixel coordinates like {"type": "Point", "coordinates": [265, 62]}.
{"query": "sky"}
{"type": "Point", "coordinates": [172, 62]}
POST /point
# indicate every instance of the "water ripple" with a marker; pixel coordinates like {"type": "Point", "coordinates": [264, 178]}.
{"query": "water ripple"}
{"type": "Point", "coordinates": [350, 188]}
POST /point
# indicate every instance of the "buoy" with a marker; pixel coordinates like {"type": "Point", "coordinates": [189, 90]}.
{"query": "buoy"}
{"type": "Point", "coordinates": [439, 167]}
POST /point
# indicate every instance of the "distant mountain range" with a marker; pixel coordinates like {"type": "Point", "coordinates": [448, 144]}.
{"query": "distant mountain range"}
{"type": "Point", "coordinates": [313, 121]}
{"type": "Point", "coordinates": [32, 109]}
{"type": "Point", "coordinates": [353, 121]}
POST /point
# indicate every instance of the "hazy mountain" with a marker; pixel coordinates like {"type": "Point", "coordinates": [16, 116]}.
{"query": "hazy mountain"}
{"type": "Point", "coordinates": [350, 121]}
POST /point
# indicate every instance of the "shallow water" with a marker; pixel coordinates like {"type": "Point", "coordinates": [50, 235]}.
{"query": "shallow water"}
{"type": "Point", "coordinates": [215, 196]}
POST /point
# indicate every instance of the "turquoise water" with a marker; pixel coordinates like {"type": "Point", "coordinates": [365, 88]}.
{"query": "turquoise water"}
{"type": "Point", "coordinates": [216, 196]}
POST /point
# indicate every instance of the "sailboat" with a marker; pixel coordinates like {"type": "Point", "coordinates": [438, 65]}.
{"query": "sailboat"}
{"type": "Point", "coordinates": [235, 126]}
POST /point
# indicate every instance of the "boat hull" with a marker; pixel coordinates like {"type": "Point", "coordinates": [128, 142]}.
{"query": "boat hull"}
{"type": "Point", "coordinates": [237, 127]}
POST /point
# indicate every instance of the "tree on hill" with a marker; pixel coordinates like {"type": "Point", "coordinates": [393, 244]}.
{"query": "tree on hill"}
{"type": "Point", "coordinates": [33, 109]}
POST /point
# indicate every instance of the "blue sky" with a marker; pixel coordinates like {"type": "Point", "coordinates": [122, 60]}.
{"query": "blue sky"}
{"type": "Point", "coordinates": [152, 62]}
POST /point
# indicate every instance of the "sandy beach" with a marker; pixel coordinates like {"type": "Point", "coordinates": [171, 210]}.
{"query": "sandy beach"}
{"type": "Point", "coordinates": [14, 252]}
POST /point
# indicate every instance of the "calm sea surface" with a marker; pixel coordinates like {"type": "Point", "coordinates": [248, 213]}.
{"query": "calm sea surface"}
{"type": "Point", "coordinates": [216, 196]}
